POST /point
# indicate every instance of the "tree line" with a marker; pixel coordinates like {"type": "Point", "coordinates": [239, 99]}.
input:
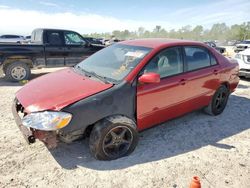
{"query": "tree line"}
{"type": "Point", "coordinates": [219, 31]}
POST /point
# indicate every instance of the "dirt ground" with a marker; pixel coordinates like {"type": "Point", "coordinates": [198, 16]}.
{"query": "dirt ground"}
{"type": "Point", "coordinates": [217, 149]}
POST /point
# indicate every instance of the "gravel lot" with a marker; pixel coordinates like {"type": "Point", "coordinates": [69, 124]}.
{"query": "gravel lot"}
{"type": "Point", "coordinates": [217, 149]}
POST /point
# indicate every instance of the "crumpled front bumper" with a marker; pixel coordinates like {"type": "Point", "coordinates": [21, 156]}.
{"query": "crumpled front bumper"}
{"type": "Point", "coordinates": [49, 138]}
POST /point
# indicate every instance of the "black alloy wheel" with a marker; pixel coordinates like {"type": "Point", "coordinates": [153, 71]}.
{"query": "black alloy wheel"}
{"type": "Point", "coordinates": [113, 137]}
{"type": "Point", "coordinates": [219, 101]}
{"type": "Point", "coordinates": [117, 142]}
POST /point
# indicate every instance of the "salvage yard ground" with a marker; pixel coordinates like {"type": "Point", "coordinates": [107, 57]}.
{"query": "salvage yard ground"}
{"type": "Point", "coordinates": [217, 149]}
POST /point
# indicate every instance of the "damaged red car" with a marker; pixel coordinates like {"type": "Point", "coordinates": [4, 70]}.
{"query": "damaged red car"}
{"type": "Point", "coordinates": [123, 89]}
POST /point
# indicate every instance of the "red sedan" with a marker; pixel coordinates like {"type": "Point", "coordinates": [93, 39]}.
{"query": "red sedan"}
{"type": "Point", "coordinates": [123, 89]}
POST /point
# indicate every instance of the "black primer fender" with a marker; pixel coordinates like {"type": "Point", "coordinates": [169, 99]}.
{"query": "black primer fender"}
{"type": "Point", "coordinates": [118, 100]}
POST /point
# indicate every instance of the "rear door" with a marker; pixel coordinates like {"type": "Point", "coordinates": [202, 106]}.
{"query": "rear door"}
{"type": "Point", "coordinates": [54, 48]}
{"type": "Point", "coordinates": [202, 76]}
{"type": "Point", "coordinates": [76, 48]}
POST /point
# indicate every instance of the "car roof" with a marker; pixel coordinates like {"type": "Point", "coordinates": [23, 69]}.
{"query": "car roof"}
{"type": "Point", "coordinates": [10, 35]}
{"type": "Point", "coordinates": [51, 29]}
{"type": "Point", "coordinates": [160, 42]}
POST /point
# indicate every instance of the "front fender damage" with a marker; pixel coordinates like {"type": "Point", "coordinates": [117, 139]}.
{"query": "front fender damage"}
{"type": "Point", "coordinates": [49, 138]}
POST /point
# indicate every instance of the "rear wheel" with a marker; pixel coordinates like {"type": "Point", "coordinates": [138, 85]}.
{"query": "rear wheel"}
{"type": "Point", "coordinates": [218, 102]}
{"type": "Point", "coordinates": [113, 138]}
{"type": "Point", "coordinates": [17, 71]}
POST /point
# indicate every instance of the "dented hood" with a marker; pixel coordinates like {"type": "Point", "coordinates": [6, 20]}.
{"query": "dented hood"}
{"type": "Point", "coordinates": [56, 90]}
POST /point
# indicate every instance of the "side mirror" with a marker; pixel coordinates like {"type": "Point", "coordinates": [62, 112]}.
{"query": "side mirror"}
{"type": "Point", "coordinates": [149, 77]}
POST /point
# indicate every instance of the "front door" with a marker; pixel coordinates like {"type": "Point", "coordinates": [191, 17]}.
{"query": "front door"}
{"type": "Point", "coordinates": [159, 102]}
{"type": "Point", "coordinates": [76, 48]}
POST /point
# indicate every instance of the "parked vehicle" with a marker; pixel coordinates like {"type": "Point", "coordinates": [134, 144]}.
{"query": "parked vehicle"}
{"type": "Point", "coordinates": [28, 39]}
{"type": "Point", "coordinates": [12, 39]}
{"type": "Point", "coordinates": [232, 42]}
{"type": "Point", "coordinates": [242, 46]}
{"type": "Point", "coordinates": [123, 89]}
{"type": "Point", "coordinates": [48, 48]}
{"type": "Point", "coordinates": [219, 49]}
{"type": "Point", "coordinates": [243, 59]}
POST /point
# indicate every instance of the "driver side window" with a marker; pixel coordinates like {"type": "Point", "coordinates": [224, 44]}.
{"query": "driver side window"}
{"type": "Point", "coordinates": [166, 63]}
{"type": "Point", "coordinates": [72, 38]}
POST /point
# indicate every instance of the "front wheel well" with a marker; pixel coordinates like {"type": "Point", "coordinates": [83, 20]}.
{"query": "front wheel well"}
{"type": "Point", "coordinates": [10, 60]}
{"type": "Point", "coordinates": [111, 118]}
{"type": "Point", "coordinates": [226, 84]}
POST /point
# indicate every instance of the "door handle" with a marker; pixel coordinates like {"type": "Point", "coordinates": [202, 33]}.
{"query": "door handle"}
{"type": "Point", "coordinates": [216, 72]}
{"type": "Point", "coordinates": [182, 81]}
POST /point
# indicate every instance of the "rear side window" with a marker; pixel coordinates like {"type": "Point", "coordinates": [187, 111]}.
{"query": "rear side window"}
{"type": "Point", "coordinates": [196, 58]}
{"type": "Point", "coordinates": [54, 38]}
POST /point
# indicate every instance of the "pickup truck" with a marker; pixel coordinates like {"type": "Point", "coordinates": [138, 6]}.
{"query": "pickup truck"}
{"type": "Point", "coordinates": [48, 48]}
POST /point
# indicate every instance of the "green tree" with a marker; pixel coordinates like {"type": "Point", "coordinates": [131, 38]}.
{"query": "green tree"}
{"type": "Point", "coordinates": [219, 31]}
{"type": "Point", "coordinates": [197, 33]}
{"type": "Point", "coordinates": [244, 32]}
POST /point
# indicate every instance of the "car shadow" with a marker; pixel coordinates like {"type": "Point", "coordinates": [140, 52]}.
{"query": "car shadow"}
{"type": "Point", "coordinates": [241, 86]}
{"type": "Point", "coordinates": [175, 137]}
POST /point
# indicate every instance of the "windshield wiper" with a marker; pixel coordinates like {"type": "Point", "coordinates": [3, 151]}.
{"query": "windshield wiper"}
{"type": "Point", "coordinates": [102, 78]}
{"type": "Point", "coordinates": [92, 73]}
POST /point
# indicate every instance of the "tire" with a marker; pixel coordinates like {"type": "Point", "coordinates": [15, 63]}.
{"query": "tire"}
{"type": "Point", "coordinates": [113, 137]}
{"type": "Point", "coordinates": [242, 77]}
{"type": "Point", "coordinates": [17, 71]}
{"type": "Point", "coordinates": [218, 102]}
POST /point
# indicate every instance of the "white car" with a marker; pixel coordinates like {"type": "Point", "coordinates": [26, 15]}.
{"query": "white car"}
{"type": "Point", "coordinates": [243, 45]}
{"type": "Point", "coordinates": [12, 39]}
{"type": "Point", "coordinates": [243, 59]}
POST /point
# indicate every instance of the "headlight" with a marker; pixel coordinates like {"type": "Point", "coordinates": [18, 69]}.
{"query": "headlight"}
{"type": "Point", "coordinates": [47, 120]}
{"type": "Point", "coordinates": [246, 59]}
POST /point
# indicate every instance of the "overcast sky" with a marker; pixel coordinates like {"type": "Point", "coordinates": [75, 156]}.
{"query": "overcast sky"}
{"type": "Point", "coordinates": [87, 16]}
